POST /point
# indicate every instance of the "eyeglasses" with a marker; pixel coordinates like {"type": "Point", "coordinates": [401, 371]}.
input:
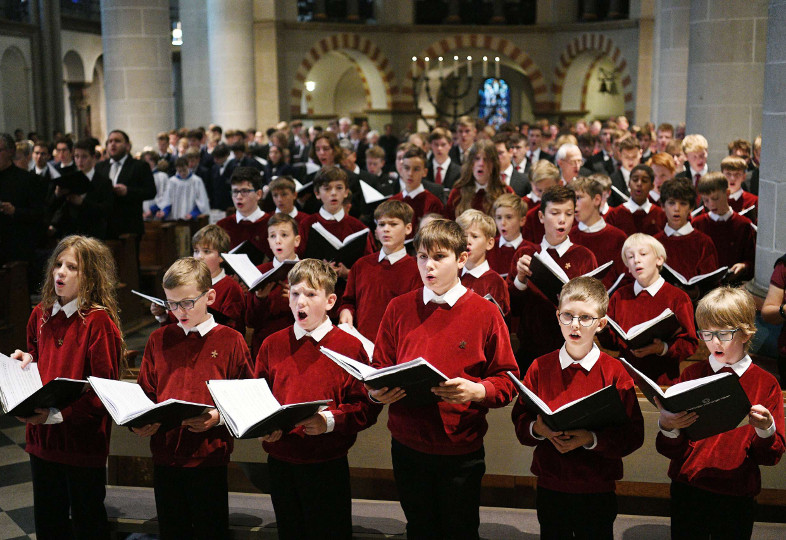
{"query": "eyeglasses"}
{"type": "Point", "coordinates": [185, 305]}
{"type": "Point", "coordinates": [586, 321]}
{"type": "Point", "coordinates": [722, 335]}
{"type": "Point", "coordinates": [245, 191]}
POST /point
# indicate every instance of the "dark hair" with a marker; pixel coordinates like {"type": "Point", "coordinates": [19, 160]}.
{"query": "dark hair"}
{"type": "Point", "coordinates": [66, 141]}
{"type": "Point", "coordinates": [221, 151]}
{"type": "Point", "coordinates": [441, 233]}
{"type": "Point", "coordinates": [246, 174]}
{"type": "Point", "coordinates": [557, 194]}
{"type": "Point", "coordinates": [123, 134]}
{"type": "Point", "coordinates": [280, 218]}
{"type": "Point", "coordinates": [330, 174]}
{"type": "Point", "coordinates": [679, 189]}
{"type": "Point", "coordinates": [646, 169]}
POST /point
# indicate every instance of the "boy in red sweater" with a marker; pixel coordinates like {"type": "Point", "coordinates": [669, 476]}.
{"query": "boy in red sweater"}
{"type": "Point", "coordinates": [544, 175]}
{"type": "Point", "coordinates": [733, 235]}
{"type": "Point", "coordinates": [378, 278]}
{"type": "Point", "coordinates": [577, 469]}
{"type": "Point", "coordinates": [510, 212]}
{"type": "Point", "coordinates": [437, 448]}
{"type": "Point", "coordinates": [284, 193]}
{"type": "Point", "coordinates": [477, 275]}
{"type": "Point", "coordinates": [645, 299]}
{"type": "Point", "coordinates": [638, 214]}
{"type": "Point", "coordinates": [715, 480]}
{"type": "Point", "coordinates": [209, 243]}
{"type": "Point", "coordinates": [309, 472]}
{"type": "Point", "coordinates": [734, 169]}
{"type": "Point", "coordinates": [249, 222]}
{"type": "Point", "coordinates": [536, 335]}
{"type": "Point", "coordinates": [267, 309]}
{"type": "Point", "coordinates": [190, 460]}
{"type": "Point", "coordinates": [411, 173]}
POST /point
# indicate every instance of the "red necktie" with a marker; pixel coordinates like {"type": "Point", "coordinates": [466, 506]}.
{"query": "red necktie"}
{"type": "Point", "coordinates": [504, 178]}
{"type": "Point", "coordinates": [698, 177]}
{"type": "Point", "coordinates": [438, 176]}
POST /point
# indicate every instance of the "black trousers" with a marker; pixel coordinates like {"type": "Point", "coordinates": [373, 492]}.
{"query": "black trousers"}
{"type": "Point", "coordinates": [440, 495]}
{"type": "Point", "coordinates": [576, 515]}
{"type": "Point", "coordinates": [62, 489]}
{"type": "Point", "coordinates": [192, 502]}
{"type": "Point", "coordinates": [311, 500]}
{"type": "Point", "coordinates": [697, 513]}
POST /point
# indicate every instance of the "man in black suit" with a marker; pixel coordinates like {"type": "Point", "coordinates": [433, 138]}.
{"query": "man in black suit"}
{"type": "Point", "coordinates": [517, 146]}
{"type": "Point", "coordinates": [442, 169]}
{"type": "Point", "coordinates": [65, 156]}
{"type": "Point", "coordinates": [535, 153]}
{"type": "Point", "coordinates": [132, 182]}
{"type": "Point", "coordinates": [467, 131]}
{"type": "Point", "coordinates": [507, 172]}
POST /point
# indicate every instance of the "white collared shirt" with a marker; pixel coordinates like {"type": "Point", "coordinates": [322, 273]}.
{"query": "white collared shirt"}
{"type": "Point", "coordinates": [450, 297]}
{"type": "Point", "coordinates": [414, 193]}
{"type": "Point", "coordinates": [565, 360]}
{"type": "Point", "coordinates": [444, 166]}
{"type": "Point", "coordinates": [203, 328]}
{"type": "Point", "coordinates": [521, 166]}
{"type": "Point", "coordinates": [736, 195]}
{"type": "Point", "coordinates": [625, 175]}
{"type": "Point", "coordinates": [633, 207]}
{"type": "Point", "coordinates": [701, 173]}
{"type": "Point", "coordinates": [655, 195]}
{"type": "Point", "coordinates": [479, 186]}
{"type": "Point", "coordinates": [652, 289]}
{"type": "Point", "coordinates": [120, 162]}
{"type": "Point", "coordinates": [507, 174]}
{"type": "Point", "coordinates": [254, 216]}
{"type": "Point", "coordinates": [293, 214]}
{"type": "Point", "coordinates": [604, 209]}
{"type": "Point", "coordinates": [317, 333]}
{"type": "Point", "coordinates": [724, 217]}
{"type": "Point", "coordinates": [277, 263]}
{"type": "Point", "coordinates": [595, 227]}
{"type": "Point", "coordinates": [478, 271]}
{"type": "Point", "coordinates": [69, 309]}
{"type": "Point", "coordinates": [515, 243]}
{"type": "Point", "coordinates": [221, 275]}
{"type": "Point", "coordinates": [561, 249]}
{"type": "Point", "coordinates": [338, 216]}
{"type": "Point", "coordinates": [90, 174]}
{"type": "Point", "coordinates": [394, 257]}
{"type": "Point", "coordinates": [682, 231]}
{"type": "Point", "coordinates": [534, 198]}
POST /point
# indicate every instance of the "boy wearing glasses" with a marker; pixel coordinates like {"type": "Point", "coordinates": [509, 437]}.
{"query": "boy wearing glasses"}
{"type": "Point", "coordinates": [190, 460]}
{"type": "Point", "coordinates": [249, 222]}
{"type": "Point", "coordinates": [577, 469]}
{"type": "Point", "coordinates": [715, 480]}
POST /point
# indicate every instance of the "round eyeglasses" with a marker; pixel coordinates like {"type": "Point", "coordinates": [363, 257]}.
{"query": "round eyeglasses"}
{"type": "Point", "coordinates": [566, 318]}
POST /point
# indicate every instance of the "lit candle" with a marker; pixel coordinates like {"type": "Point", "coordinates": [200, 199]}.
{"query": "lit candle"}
{"type": "Point", "coordinates": [485, 66]}
{"type": "Point", "coordinates": [440, 65]}
{"type": "Point", "coordinates": [469, 66]}
{"type": "Point", "coordinates": [496, 67]}
{"type": "Point", "coordinates": [414, 67]}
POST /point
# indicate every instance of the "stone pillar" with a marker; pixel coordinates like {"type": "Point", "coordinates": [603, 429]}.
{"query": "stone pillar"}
{"type": "Point", "coordinates": [53, 103]}
{"type": "Point", "coordinates": [670, 61]}
{"type": "Point", "coordinates": [137, 40]}
{"type": "Point", "coordinates": [194, 63]}
{"type": "Point", "coordinates": [726, 73]}
{"type": "Point", "coordinates": [230, 31]}
{"type": "Point", "coordinates": [771, 240]}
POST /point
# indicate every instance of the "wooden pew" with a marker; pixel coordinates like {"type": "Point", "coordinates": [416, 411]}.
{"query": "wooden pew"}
{"type": "Point", "coordinates": [14, 306]}
{"type": "Point", "coordinates": [157, 250]}
{"type": "Point", "coordinates": [133, 313]}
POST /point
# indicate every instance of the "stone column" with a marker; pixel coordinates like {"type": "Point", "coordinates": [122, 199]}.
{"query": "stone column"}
{"type": "Point", "coordinates": [51, 67]}
{"type": "Point", "coordinates": [137, 40]}
{"type": "Point", "coordinates": [194, 63]}
{"type": "Point", "coordinates": [230, 31]}
{"type": "Point", "coordinates": [670, 61]}
{"type": "Point", "coordinates": [771, 240]}
{"type": "Point", "coordinates": [726, 73]}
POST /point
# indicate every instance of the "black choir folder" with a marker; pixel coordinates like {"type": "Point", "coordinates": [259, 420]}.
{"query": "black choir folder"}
{"type": "Point", "coordinates": [248, 249]}
{"type": "Point", "coordinates": [662, 327]}
{"type": "Point", "coordinates": [705, 282]}
{"type": "Point", "coordinates": [718, 400]}
{"type": "Point", "coordinates": [325, 245]}
{"type": "Point", "coordinates": [417, 377]}
{"type": "Point", "coordinates": [250, 410]}
{"type": "Point", "coordinates": [219, 317]}
{"type": "Point", "coordinates": [251, 276]}
{"type": "Point", "coordinates": [596, 411]}
{"type": "Point", "coordinates": [549, 278]}
{"type": "Point", "coordinates": [491, 299]}
{"type": "Point", "coordinates": [22, 392]}
{"type": "Point", "coordinates": [128, 405]}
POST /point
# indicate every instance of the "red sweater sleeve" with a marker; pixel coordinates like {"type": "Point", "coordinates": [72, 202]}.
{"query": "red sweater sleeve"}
{"type": "Point", "coordinates": [349, 300]}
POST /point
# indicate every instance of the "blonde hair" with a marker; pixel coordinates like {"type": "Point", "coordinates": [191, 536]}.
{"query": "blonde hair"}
{"type": "Point", "coordinates": [728, 307]}
{"type": "Point", "coordinates": [544, 170]}
{"type": "Point", "coordinates": [187, 271]}
{"type": "Point", "coordinates": [587, 184]}
{"type": "Point", "coordinates": [641, 239]}
{"type": "Point", "coordinates": [211, 237]}
{"type": "Point", "coordinates": [315, 273]}
{"type": "Point", "coordinates": [586, 289]}
{"type": "Point", "coordinates": [694, 143]}
{"type": "Point", "coordinates": [484, 222]}
{"type": "Point", "coordinates": [511, 200]}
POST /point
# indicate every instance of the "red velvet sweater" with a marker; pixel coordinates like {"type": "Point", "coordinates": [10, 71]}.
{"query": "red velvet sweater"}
{"type": "Point", "coordinates": [371, 286]}
{"type": "Point", "coordinates": [297, 371]}
{"type": "Point", "coordinates": [177, 365]}
{"type": "Point", "coordinates": [746, 200]}
{"type": "Point", "coordinates": [255, 232]}
{"type": "Point", "coordinates": [734, 240]}
{"type": "Point", "coordinates": [489, 283]}
{"type": "Point", "coordinates": [533, 229]}
{"type": "Point", "coordinates": [581, 470]}
{"type": "Point", "coordinates": [478, 201]}
{"type": "Point", "coordinates": [74, 347]}
{"type": "Point", "coordinates": [340, 229]}
{"type": "Point", "coordinates": [627, 310]}
{"type": "Point", "coordinates": [690, 255]}
{"type": "Point", "coordinates": [267, 315]}
{"type": "Point", "coordinates": [422, 204]}
{"type": "Point", "coordinates": [606, 245]}
{"type": "Point", "coordinates": [640, 221]}
{"type": "Point", "coordinates": [467, 340]}
{"type": "Point", "coordinates": [229, 301]}
{"type": "Point", "coordinates": [728, 463]}
{"type": "Point", "coordinates": [499, 257]}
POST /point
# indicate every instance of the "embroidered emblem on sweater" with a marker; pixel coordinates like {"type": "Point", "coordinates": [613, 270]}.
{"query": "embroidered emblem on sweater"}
{"type": "Point", "coordinates": [567, 266]}
{"type": "Point", "coordinates": [214, 354]}
{"type": "Point", "coordinates": [463, 345]}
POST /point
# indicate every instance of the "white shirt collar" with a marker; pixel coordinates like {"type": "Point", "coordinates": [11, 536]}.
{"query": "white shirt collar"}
{"type": "Point", "coordinates": [724, 217]}
{"type": "Point", "coordinates": [700, 173]}
{"type": "Point", "coordinates": [338, 216]}
{"type": "Point", "coordinates": [479, 186]}
{"type": "Point", "coordinates": [737, 367]}
{"type": "Point", "coordinates": [292, 214]}
{"type": "Point", "coordinates": [69, 309]}
{"type": "Point", "coordinates": [221, 275]}
{"type": "Point", "coordinates": [655, 195]}
{"type": "Point", "coordinates": [633, 207]}
{"type": "Point", "coordinates": [595, 227]}
{"type": "Point", "coordinates": [736, 195]}
{"type": "Point", "coordinates": [203, 328]}
{"type": "Point", "coordinates": [277, 263]}
{"type": "Point", "coordinates": [317, 333]}
{"type": "Point", "coordinates": [478, 271]}
{"type": "Point", "coordinates": [652, 289]}
{"type": "Point", "coordinates": [561, 249]}
{"type": "Point", "coordinates": [445, 164]}
{"type": "Point", "coordinates": [586, 363]}
{"type": "Point", "coordinates": [508, 173]}
{"type": "Point", "coordinates": [682, 231]}
{"type": "Point", "coordinates": [121, 161]}
{"type": "Point", "coordinates": [414, 193]}
{"type": "Point", "coordinates": [356, 170]}
{"type": "Point", "coordinates": [534, 198]}
{"type": "Point", "coordinates": [254, 216]}
{"type": "Point", "coordinates": [604, 209]}
{"type": "Point", "coordinates": [515, 243]}
{"type": "Point", "coordinates": [625, 175]}
{"type": "Point", "coordinates": [90, 173]}
{"type": "Point", "coordinates": [394, 257]}
{"type": "Point", "coordinates": [450, 297]}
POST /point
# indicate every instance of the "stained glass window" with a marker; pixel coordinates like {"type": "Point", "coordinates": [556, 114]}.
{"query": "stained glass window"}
{"type": "Point", "coordinates": [494, 102]}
